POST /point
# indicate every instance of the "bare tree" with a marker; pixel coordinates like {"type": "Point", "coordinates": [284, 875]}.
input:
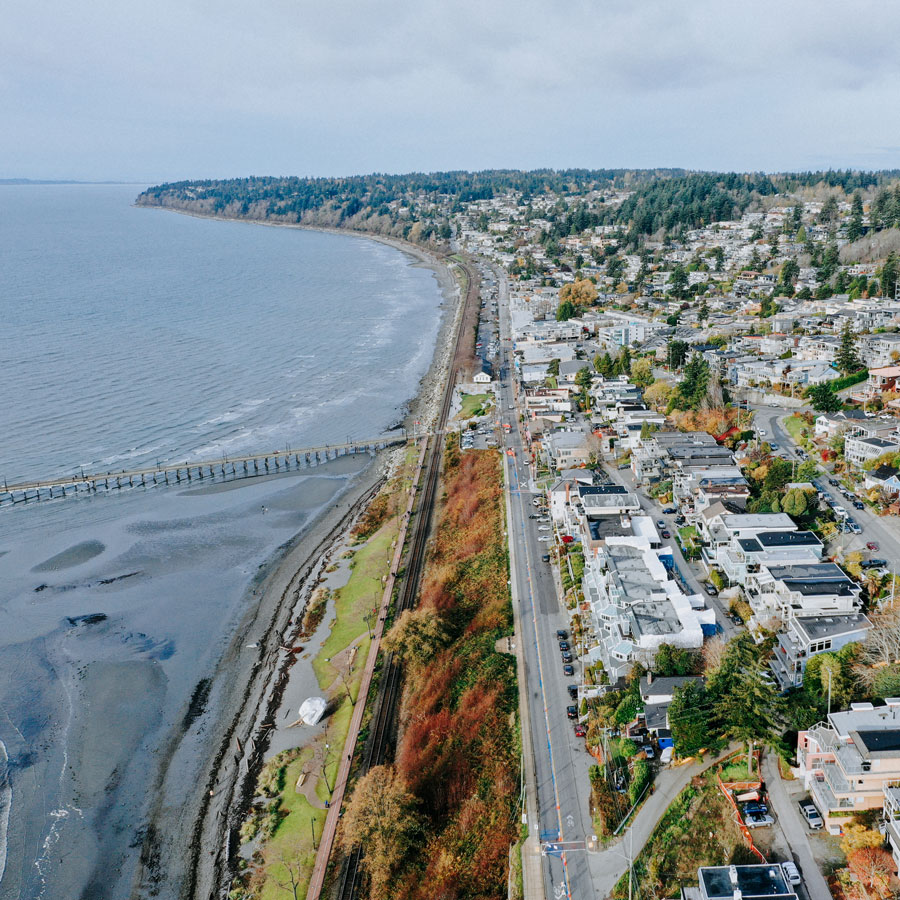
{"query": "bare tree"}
{"type": "Point", "coordinates": [287, 873]}
{"type": "Point", "coordinates": [882, 646]}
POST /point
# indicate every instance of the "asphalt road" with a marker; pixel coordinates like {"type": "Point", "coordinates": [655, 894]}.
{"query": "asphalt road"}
{"type": "Point", "coordinates": [885, 531]}
{"type": "Point", "coordinates": [561, 760]}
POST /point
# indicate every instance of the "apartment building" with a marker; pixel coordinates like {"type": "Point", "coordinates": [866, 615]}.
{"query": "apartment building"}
{"type": "Point", "coordinates": [846, 761]}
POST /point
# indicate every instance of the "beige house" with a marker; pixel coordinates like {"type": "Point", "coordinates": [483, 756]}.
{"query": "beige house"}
{"type": "Point", "coordinates": [847, 761]}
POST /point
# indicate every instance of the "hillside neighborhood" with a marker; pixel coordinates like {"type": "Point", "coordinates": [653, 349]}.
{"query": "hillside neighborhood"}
{"type": "Point", "coordinates": [711, 439]}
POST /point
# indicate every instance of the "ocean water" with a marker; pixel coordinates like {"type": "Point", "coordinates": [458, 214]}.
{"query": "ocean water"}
{"type": "Point", "coordinates": [137, 334]}
{"type": "Point", "coordinates": [134, 335]}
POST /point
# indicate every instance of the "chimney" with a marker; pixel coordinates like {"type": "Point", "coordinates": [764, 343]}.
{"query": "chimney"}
{"type": "Point", "coordinates": [649, 678]}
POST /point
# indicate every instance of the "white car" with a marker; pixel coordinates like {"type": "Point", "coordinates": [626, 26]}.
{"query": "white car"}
{"type": "Point", "coordinates": [811, 816]}
{"type": "Point", "coordinates": [544, 538]}
{"type": "Point", "coordinates": [543, 527]}
{"type": "Point", "coordinates": [758, 820]}
{"type": "Point", "coordinates": [791, 872]}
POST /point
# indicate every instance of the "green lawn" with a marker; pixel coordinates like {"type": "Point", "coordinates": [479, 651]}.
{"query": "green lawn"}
{"type": "Point", "coordinates": [293, 838]}
{"type": "Point", "coordinates": [794, 425]}
{"type": "Point", "coordinates": [359, 596]}
{"type": "Point", "coordinates": [688, 534]}
{"type": "Point", "coordinates": [471, 403]}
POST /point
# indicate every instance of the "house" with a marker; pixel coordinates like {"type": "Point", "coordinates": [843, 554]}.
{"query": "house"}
{"type": "Point", "coordinates": [846, 761]}
{"type": "Point", "coordinates": [811, 589]}
{"type": "Point", "coordinates": [828, 425]}
{"type": "Point", "coordinates": [657, 693]}
{"type": "Point", "coordinates": [635, 607]}
{"type": "Point", "coordinates": [881, 380]}
{"type": "Point", "coordinates": [567, 448]}
{"type": "Point", "coordinates": [746, 555]}
{"type": "Point", "coordinates": [891, 816]}
{"type": "Point", "coordinates": [718, 526]}
{"type": "Point", "coordinates": [753, 882]}
{"type": "Point", "coordinates": [859, 450]}
{"type": "Point", "coordinates": [806, 637]}
{"type": "Point", "coordinates": [485, 374]}
{"type": "Point", "coordinates": [884, 477]}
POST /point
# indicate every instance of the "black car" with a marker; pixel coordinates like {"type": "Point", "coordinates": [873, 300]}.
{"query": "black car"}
{"type": "Point", "coordinates": [834, 482]}
{"type": "Point", "coordinates": [858, 504]}
{"type": "Point", "coordinates": [736, 619]}
{"type": "Point", "coordinates": [567, 657]}
{"type": "Point", "coordinates": [569, 670]}
{"type": "Point", "coordinates": [562, 634]}
{"type": "Point", "coordinates": [572, 712]}
{"type": "Point", "coordinates": [564, 645]}
{"type": "Point", "coordinates": [756, 809]}
{"type": "Point", "coordinates": [873, 563]}
{"type": "Point", "coordinates": [670, 511]}
{"type": "Point", "coordinates": [573, 691]}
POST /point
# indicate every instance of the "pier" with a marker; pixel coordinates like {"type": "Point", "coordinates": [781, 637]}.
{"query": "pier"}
{"type": "Point", "coordinates": [226, 468]}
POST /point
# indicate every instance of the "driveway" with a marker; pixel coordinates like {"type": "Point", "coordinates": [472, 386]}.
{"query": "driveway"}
{"type": "Point", "coordinates": [796, 833]}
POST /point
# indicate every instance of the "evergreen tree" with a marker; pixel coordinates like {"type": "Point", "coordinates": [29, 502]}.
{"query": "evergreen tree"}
{"type": "Point", "coordinates": [678, 282]}
{"type": "Point", "coordinates": [745, 708]}
{"type": "Point", "coordinates": [689, 719]}
{"type": "Point", "coordinates": [625, 360]}
{"type": "Point", "coordinates": [565, 311]}
{"type": "Point", "coordinates": [847, 359]}
{"type": "Point", "coordinates": [676, 354]}
{"type": "Point", "coordinates": [855, 226]}
{"type": "Point", "coordinates": [890, 272]}
{"type": "Point", "coordinates": [824, 399]}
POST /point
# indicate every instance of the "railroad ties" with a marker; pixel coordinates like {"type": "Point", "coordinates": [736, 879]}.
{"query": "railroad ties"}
{"type": "Point", "coordinates": [189, 473]}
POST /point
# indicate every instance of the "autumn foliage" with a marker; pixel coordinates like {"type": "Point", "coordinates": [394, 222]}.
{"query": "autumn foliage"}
{"type": "Point", "coordinates": [458, 753]}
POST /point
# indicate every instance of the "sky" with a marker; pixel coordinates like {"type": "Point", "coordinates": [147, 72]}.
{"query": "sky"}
{"type": "Point", "coordinates": [172, 89]}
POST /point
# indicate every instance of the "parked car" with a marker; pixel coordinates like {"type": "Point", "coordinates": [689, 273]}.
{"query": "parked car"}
{"type": "Point", "coordinates": [544, 538]}
{"type": "Point", "coordinates": [649, 752]}
{"type": "Point", "coordinates": [758, 821]}
{"type": "Point", "coordinates": [710, 589]}
{"type": "Point", "coordinates": [680, 520]}
{"type": "Point", "coordinates": [791, 872]}
{"type": "Point", "coordinates": [736, 619]}
{"type": "Point", "coordinates": [755, 809]}
{"type": "Point", "coordinates": [834, 482]}
{"type": "Point", "coordinates": [811, 815]}
{"type": "Point", "coordinates": [564, 645]}
{"type": "Point", "coordinates": [660, 523]}
{"type": "Point", "coordinates": [573, 691]}
{"type": "Point", "coordinates": [572, 712]}
{"type": "Point", "coordinates": [569, 670]}
{"type": "Point", "coordinates": [543, 527]}
{"type": "Point", "coordinates": [873, 563]}
{"type": "Point", "coordinates": [562, 634]}
{"type": "Point", "coordinates": [533, 516]}
{"type": "Point", "coordinates": [666, 534]}
{"type": "Point", "coordinates": [567, 538]}
{"type": "Point", "coordinates": [566, 657]}
{"type": "Point", "coordinates": [670, 511]}
{"type": "Point", "coordinates": [872, 545]}
{"type": "Point", "coordinates": [580, 730]}
{"type": "Point", "coordinates": [858, 504]}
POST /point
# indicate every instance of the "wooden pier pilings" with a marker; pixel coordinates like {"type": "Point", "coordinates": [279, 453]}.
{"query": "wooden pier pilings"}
{"type": "Point", "coordinates": [224, 469]}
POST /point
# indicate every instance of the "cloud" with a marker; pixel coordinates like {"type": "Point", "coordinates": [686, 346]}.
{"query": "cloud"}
{"type": "Point", "coordinates": [170, 89]}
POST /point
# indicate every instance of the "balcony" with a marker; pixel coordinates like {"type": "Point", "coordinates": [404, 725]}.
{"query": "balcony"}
{"type": "Point", "coordinates": [825, 800]}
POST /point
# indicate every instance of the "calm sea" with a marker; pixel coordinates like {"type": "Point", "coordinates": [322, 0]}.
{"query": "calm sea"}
{"type": "Point", "coordinates": [132, 335]}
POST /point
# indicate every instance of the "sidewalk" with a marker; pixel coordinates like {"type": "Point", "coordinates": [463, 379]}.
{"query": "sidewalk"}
{"type": "Point", "coordinates": [326, 841]}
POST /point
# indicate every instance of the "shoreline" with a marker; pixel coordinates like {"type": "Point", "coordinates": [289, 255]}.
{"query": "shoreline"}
{"type": "Point", "coordinates": [277, 595]}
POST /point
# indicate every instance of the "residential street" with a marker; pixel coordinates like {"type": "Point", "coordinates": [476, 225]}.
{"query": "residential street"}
{"type": "Point", "coordinates": [883, 530]}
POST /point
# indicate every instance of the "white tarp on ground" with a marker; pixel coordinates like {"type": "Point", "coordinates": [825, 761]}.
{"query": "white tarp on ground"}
{"type": "Point", "coordinates": [312, 709]}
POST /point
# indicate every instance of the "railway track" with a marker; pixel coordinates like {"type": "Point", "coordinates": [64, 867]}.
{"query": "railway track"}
{"type": "Point", "coordinates": [384, 715]}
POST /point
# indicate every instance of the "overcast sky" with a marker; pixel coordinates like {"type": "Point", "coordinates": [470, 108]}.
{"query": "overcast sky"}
{"type": "Point", "coordinates": [169, 89]}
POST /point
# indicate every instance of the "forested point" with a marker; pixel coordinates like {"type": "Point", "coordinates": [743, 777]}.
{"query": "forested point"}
{"type": "Point", "coordinates": [418, 206]}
